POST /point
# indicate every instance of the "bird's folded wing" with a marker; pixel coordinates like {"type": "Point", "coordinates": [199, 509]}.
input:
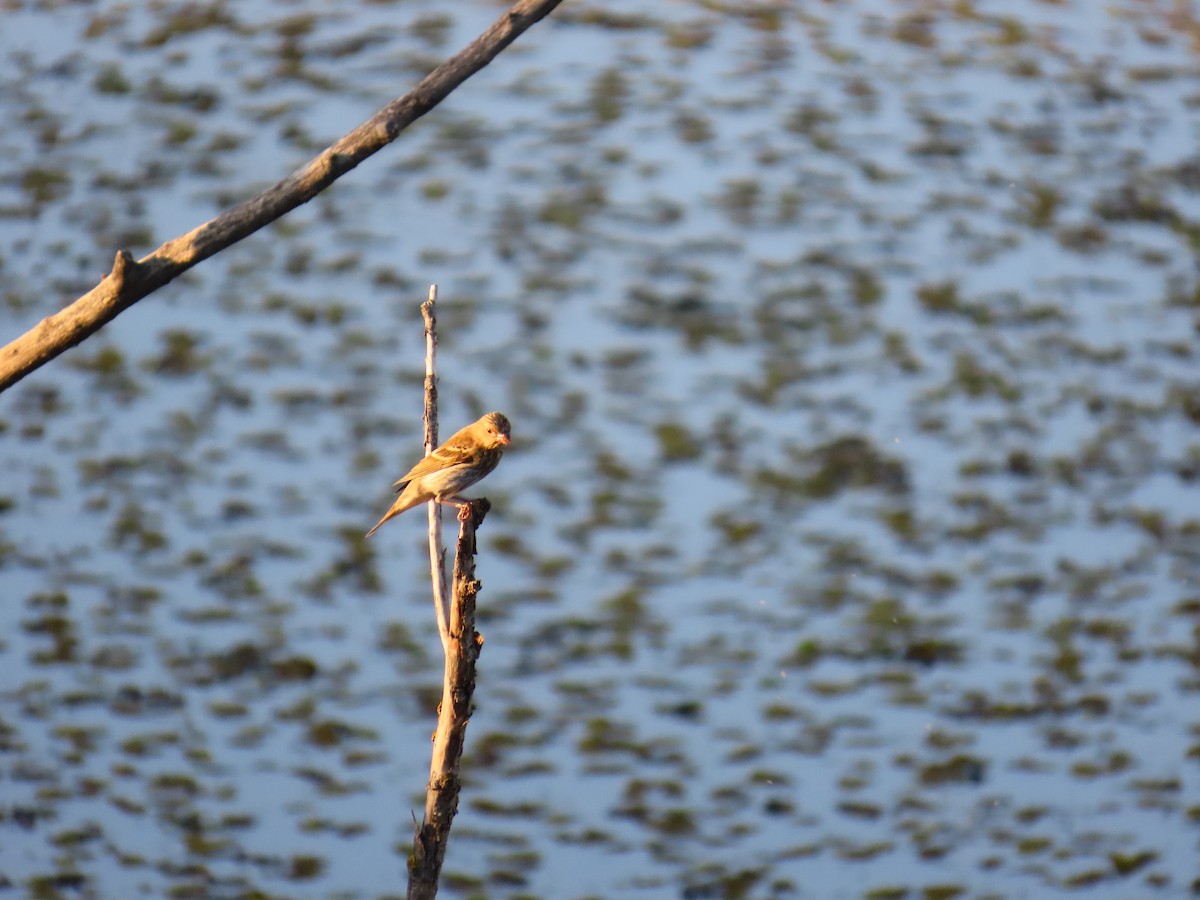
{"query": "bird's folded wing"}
{"type": "Point", "coordinates": [443, 457]}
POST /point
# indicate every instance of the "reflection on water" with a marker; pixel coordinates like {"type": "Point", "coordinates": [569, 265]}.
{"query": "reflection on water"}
{"type": "Point", "coordinates": [847, 543]}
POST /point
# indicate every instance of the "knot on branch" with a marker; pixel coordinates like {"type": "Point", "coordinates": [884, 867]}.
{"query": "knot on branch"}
{"type": "Point", "coordinates": [446, 782]}
{"type": "Point", "coordinates": [123, 266]}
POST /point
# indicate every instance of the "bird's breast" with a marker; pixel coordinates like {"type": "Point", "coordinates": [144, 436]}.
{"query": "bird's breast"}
{"type": "Point", "coordinates": [449, 481]}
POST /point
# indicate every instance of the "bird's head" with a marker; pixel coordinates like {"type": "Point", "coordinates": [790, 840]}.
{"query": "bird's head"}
{"type": "Point", "coordinates": [494, 430]}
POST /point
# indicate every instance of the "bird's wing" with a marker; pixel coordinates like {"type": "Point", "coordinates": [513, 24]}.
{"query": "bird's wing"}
{"type": "Point", "coordinates": [455, 452]}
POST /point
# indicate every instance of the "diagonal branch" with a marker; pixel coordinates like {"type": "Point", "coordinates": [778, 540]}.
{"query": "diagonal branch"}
{"type": "Point", "coordinates": [130, 281]}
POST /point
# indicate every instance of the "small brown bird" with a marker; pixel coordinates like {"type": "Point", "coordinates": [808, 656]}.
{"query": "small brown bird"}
{"type": "Point", "coordinates": [453, 467]}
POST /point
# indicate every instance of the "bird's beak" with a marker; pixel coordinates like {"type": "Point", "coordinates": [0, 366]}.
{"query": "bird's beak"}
{"type": "Point", "coordinates": [504, 439]}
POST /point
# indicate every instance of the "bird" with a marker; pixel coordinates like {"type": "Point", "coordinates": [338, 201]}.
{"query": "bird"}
{"type": "Point", "coordinates": [469, 455]}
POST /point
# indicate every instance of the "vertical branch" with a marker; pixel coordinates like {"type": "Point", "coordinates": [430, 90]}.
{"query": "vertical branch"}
{"type": "Point", "coordinates": [437, 553]}
{"type": "Point", "coordinates": [458, 687]}
{"type": "Point", "coordinates": [461, 644]}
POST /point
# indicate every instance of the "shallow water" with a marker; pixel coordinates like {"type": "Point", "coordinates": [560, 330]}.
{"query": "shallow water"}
{"type": "Point", "coordinates": [847, 545]}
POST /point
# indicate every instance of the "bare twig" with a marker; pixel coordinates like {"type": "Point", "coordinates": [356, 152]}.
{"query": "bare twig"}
{"type": "Point", "coordinates": [130, 281]}
{"type": "Point", "coordinates": [437, 554]}
{"type": "Point", "coordinates": [461, 644]}
{"type": "Point", "coordinates": [458, 687]}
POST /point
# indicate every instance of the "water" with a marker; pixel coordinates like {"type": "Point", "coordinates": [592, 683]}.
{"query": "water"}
{"type": "Point", "coordinates": [846, 546]}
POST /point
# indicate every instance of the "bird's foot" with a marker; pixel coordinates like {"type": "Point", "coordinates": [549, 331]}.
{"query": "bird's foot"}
{"type": "Point", "coordinates": [463, 505]}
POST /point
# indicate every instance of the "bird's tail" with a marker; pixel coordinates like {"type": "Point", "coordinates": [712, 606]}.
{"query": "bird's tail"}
{"type": "Point", "coordinates": [405, 501]}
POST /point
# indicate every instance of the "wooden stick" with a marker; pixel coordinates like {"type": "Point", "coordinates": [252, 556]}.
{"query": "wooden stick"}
{"type": "Point", "coordinates": [458, 687]}
{"type": "Point", "coordinates": [437, 553]}
{"type": "Point", "coordinates": [461, 644]}
{"type": "Point", "coordinates": [130, 281]}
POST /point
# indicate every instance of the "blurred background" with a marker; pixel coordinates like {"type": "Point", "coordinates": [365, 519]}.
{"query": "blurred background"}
{"type": "Point", "coordinates": [849, 542]}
